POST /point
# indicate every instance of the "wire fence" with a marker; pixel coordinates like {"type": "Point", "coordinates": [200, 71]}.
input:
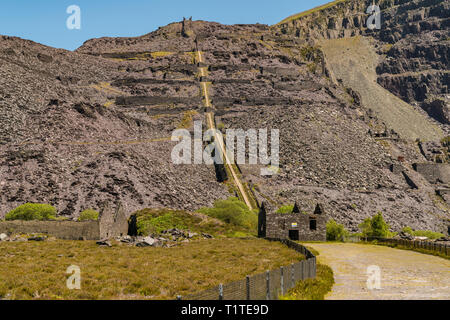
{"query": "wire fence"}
{"type": "Point", "coordinates": [413, 244]}
{"type": "Point", "coordinates": [269, 285]}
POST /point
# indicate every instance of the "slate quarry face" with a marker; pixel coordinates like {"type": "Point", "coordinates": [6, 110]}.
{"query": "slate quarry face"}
{"type": "Point", "coordinates": [78, 128]}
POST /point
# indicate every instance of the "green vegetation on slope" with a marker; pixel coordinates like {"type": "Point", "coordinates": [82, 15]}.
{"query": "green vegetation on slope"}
{"type": "Point", "coordinates": [154, 221]}
{"type": "Point", "coordinates": [37, 270]}
{"type": "Point", "coordinates": [423, 233]}
{"type": "Point", "coordinates": [313, 289]}
{"type": "Point", "coordinates": [32, 211]}
{"type": "Point", "coordinates": [234, 212]}
{"type": "Point", "coordinates": [310, 11]}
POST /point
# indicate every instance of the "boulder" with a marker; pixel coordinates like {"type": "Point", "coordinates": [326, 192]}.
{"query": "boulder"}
{"type": "Point", "coordinates": [37, 238]}
{"type": "Point", "coordinates": [104, 243]}
{"type": "Point", "coordinates": [148, 242]}
{"type": "Point", "coordinates": [3, 237]}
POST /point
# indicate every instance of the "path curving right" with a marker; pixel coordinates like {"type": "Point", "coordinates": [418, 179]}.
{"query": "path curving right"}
{"type": "Point", "coordinates": [405, 274]}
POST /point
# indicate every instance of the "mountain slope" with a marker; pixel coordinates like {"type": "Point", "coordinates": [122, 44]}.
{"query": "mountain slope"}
{"type": "Point", "coordinates": [93, 125]}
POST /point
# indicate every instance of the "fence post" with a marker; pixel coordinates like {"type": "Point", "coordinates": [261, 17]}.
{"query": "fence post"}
{"type": "Point", "coordinates": [247, 285]}
{"type": "Point", "coordinates": [220, 291]}
{"type": "Point", "coordinates": [315, 268]}
{"type": "Point", "coordinates": [308, 269]}
{"type": "Point", "coordinates": [268, 285]}
{"type": "Point", "coordinates": [292, 275]}
{"type": "Point", "coordinates": [302, 263]}
{"type": "Point", "coordinates": [282, 280]}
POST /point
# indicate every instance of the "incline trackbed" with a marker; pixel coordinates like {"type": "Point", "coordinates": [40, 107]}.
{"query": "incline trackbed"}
{"type": "Point", "coordinates": [405, 275]}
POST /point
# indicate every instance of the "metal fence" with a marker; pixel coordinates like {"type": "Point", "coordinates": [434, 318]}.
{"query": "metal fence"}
{"type": "Point", "coordinates": [414, 244]}
{"type": "Point", "coordinates": [264, 286]}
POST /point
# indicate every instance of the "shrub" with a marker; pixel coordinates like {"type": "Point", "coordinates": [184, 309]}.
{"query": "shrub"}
{"type": "Point", "coordinates": [232, 211]}
{"type": "Point", "coordinates": [335, 231]}
{"type": "Point", "coordinates": [87, 215]}
{"type": "Point", "coordinates": [286, 209]}
{"type": "Point", "coordinates": [423, 233]}
{"type": "Point", "coordinates": [153, 221]}
{"type": "Point", "coordinates": [32, 211]}
{"type": "Point", "coordinates": [375, 227]}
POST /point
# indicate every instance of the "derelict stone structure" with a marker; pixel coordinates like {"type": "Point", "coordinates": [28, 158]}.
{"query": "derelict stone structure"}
{"type": "Point", "coordinates": [111, 223]}
{"type": "Point", "coordinates": [66, 230]}
{"type": "Point", "coordinates": [297, 226]}
{"type": "Point", "coordinates": [434, 172]}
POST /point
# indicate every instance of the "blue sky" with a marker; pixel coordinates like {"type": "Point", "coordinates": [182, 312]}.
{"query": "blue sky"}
{"type": "Point", "coordinates": [44, 21]}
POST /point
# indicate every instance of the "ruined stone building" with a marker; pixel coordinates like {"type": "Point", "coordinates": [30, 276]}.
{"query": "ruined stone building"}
{"type": "Point", "coordinates": [297, 226]}
{"type": "Point", "coordinates": [111, 223]}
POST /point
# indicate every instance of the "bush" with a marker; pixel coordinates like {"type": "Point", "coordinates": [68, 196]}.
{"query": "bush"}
{"type": "Point", "coordinates": [232, 211]}
{"type": "Point", "coordinates": [88, 215]}
{"type": "Point", "coordinates": [286, 209]}
{"type": "Point", "coordinates": [335, 231]}
{"type": "Point", "coordinates": [154, 221]}
{"type": "Point", "coordinates": [375, 227]}
{"type": "Point", "coordinates": [32, 211]}
{"type": "Point", "coordinates": [423, 233]}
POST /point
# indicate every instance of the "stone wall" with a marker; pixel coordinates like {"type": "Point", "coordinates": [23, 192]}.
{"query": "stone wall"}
{"type": "Point", "coordinates": [66, 230]}
{"type": "Point", "coordinates": [111, 223]}
{"type": "Point", "coordinates": [155, 100]}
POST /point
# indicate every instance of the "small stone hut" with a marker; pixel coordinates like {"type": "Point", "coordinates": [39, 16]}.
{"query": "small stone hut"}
{"type": "Point", "coordinates": [297, 226]}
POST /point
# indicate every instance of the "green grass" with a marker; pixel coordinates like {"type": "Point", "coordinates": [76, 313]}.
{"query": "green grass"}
{"type": "Point", "coordinates": [313, 251]}
{"type": "Point", "coordinates": [308, 12]}
{"type": "Point", "coordinates": [313, 289]}
{"type": "Point", "coordinates": [423, 233]}
{"type": "Point", "coordinates": [37, 270]}
{"type": "Point", "coordinates": [153, 221]}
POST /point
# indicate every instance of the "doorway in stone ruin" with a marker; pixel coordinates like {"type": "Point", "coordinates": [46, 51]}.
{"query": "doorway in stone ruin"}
{"type": "Point", "coordinates": [294, 235]}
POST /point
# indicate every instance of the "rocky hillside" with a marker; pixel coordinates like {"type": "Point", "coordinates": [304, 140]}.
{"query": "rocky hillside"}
{"type": "Point", "coordinates": [82, 127]}
{"type": "Point", "coordinates": [412, 44]}
{"type": "Point", "coordinates": [65, 142]}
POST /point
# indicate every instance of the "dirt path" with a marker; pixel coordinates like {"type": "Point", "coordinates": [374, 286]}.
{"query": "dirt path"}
{"type": "Point", "coordinates": [404, 274]}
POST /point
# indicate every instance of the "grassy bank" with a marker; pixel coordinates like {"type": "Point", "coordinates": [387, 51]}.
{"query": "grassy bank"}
{"type": "Point", "coordinates": [313, 289]}
{"type": "Point", "coordinates": [37, 270]}
{"type": "Point", "coordinates": [402, 247]}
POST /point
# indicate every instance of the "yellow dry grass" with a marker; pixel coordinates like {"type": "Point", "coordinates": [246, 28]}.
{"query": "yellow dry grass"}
{"type": "Point", "coordinates": [37, 270]}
